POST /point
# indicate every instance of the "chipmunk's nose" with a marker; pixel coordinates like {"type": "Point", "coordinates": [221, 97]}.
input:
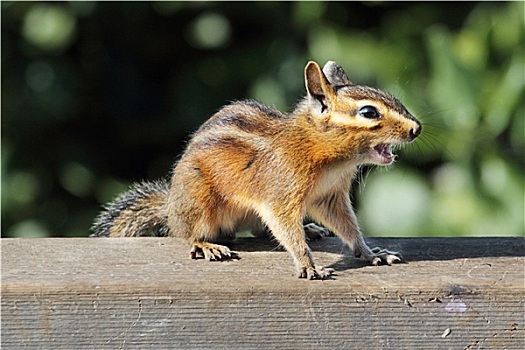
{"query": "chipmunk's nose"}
{"type": "Point", "coordinates": [414, 132]}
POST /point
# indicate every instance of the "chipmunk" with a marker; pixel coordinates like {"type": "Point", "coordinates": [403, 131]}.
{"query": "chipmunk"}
{"type": "Point", "coordinates": [252, 166]}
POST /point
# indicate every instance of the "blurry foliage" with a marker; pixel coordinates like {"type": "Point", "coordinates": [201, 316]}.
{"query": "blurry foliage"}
{"type": "Point", "coordinates": [96, 95]}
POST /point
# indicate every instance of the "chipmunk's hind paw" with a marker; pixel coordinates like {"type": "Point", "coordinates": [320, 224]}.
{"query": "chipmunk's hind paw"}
{"type": "Point", "coordinates": [211, 252]}
{"type": "Point", "coordinates": [381, 255]}
{"type": "Point", "coordinates": [316, 273]}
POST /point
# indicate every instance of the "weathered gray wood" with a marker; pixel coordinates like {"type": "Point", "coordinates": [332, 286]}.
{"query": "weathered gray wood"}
{"type": "Point", "coordinates": [145, 293]}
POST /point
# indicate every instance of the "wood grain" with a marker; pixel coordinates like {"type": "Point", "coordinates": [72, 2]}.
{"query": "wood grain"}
{"type": "Point", "coordinates": [145, 293]}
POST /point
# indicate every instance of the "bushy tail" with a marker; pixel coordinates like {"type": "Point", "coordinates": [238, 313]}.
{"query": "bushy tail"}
{"type": "Point", "coordinates": [140, 211]}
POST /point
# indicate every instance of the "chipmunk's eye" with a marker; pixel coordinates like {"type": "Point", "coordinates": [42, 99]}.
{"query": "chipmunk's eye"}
{"type": "Point", "coordinates": [369, 112]}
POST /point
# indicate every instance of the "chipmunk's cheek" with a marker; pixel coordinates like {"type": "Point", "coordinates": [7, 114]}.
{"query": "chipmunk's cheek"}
{"type": "Point", "coordinates": [382, 154]}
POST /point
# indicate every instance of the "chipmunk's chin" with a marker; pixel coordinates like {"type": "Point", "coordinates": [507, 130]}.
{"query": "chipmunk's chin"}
{"type": "Point", "coordinates": [382, 154]}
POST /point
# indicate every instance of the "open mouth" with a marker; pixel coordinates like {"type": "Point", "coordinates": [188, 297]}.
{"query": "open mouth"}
{"type": "Point", "coordinates": [382, 153]}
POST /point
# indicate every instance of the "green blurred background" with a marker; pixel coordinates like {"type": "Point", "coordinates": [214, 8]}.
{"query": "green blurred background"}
{"type": "Point", "coordinates": [96, 96]}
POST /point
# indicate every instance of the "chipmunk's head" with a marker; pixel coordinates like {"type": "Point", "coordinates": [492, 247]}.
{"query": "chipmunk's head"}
{"type": "Point", "coordinates": [369, 120]}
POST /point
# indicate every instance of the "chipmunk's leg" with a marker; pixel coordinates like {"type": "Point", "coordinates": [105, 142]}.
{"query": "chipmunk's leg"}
{"type": "Point", "coordinates": [336, 213]}
{"type": "Point", "coordinates": [200, 234]}
{"type": "Point", "coordinates": [291, 236]}
{"type": "Point", "coordinates": [206, 231]}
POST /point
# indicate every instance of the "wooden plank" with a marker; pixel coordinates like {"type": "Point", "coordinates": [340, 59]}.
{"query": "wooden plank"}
{"type": "Point", "coordinates": [136, 293]}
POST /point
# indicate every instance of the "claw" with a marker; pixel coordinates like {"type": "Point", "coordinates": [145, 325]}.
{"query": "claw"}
{"type": "Point", "coordinates": [380, 255]}
{"type": "Point", "coordinates": [391, 258]}
{"type": "Point", "coordinates": [314, 232]}
{"type": "Point", "coordinates": [210, 251]}
{"type": "Point", "coordinates": [313, 273]}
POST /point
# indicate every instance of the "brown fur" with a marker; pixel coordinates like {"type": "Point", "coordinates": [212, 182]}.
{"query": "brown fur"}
{"type": "Point", "coordinates": [252, 166]}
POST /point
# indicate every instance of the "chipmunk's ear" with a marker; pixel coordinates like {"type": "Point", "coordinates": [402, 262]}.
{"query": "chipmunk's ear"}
{"type": "Point", "coordinates": [320, 91]}
{"type": "Point", "coordinates": [336, 74]}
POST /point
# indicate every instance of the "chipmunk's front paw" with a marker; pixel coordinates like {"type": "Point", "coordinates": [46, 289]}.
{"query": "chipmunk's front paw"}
{"type": "Point", "coordinates": [316, 273]}
{"type": "Point", "coordinates": [211, 252]}
{"type": "Point", "coordinates": [380, 255]}
{"type": "Point", "coordinates": [314, 232]}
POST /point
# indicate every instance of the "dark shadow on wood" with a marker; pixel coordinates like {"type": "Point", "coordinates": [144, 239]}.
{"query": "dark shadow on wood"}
{"type": "Point", "coordinates": [412, 249]}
